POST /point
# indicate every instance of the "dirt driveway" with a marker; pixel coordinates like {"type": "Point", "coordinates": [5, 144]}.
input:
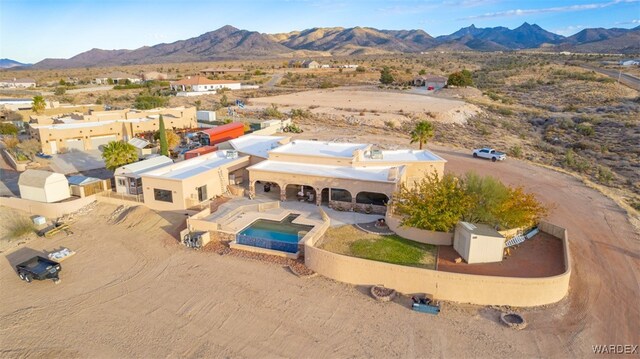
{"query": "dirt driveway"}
{"type": "Point", "coordinates": [131, 291]}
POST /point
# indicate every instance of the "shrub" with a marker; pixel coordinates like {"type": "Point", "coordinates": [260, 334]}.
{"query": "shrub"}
{"type": "Point", "coordinates": [516, 151]}
{"type": "Point", "coordinates": [273, 111]}
{"type": "Point", "coordinates": [360, 69]}
{"type": "Point", "coordinates": [147, 102]}
{"type": "Point", "coordinates": [59, 91]}
{"type": "Point", "coordinates": [434, 204]}
{"type": "Point", "coordinates": [585, 129]}
{"type": "Point", "coordinates": [386, 77]}
{"type": "Point", "coordinates": [461, 78]}
{"type": "Point", "coordinates": [604, 175]}
{"type": "Point", "coordinates": [20, 226]}
{"type": "Point", "coordinates": [7, 128]}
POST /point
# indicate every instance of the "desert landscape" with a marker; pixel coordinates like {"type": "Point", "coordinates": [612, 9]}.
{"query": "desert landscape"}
{"type": "Point", "coordinates": [314, 192]}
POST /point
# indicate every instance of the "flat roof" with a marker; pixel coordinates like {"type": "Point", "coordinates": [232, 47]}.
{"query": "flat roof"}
{"type": "Point", "coordinates": [320, 148]}
{"type": "Point", "coordinates": [193, 166]}
{"type": "Point", "coordinates": [406, 156]}
{"type": "Point", "coordinates": [140, 167]}
{"type": "Point", "coordinates": [66, 126]}
{"type": "Point", "coordinates": [481, 229]}
{"type": "Point", "coordinates": [372, 174]}
{"type": "Point", "coordinates": [256, 145]}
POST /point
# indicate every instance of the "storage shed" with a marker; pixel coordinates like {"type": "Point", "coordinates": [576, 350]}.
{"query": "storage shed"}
{"type": "Point", "coordinates": [478, 243]}
{"type": "Point", "coordinates": [83, 186]}
{"type": "Point", "coordinates": [213, 136]}
{"type": "Point", "coordinates": [43, 186]}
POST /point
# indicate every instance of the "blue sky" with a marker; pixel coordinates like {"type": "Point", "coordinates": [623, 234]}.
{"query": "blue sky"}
{"type": "Point", "coordinates": [31, 30]}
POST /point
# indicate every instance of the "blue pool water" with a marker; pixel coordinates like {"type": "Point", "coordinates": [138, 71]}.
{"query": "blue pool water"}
{"type": "Point", "coordinates": [277, 235]}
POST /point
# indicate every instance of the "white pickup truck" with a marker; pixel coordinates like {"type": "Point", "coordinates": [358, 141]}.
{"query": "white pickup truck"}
{"type": "Point", "coordinates": [489, 153]}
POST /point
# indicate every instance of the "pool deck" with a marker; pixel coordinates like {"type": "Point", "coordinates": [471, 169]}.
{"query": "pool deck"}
{"type": "Point", "coordinates": [309, 214]}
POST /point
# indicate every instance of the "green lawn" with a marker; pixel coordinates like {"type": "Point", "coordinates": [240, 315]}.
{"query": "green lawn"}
{"type": "Point", "coordinates": [351, 241]}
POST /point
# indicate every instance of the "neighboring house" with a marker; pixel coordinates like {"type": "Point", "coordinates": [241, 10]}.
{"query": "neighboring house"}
{"type": "Point", "coordinates": [630, 62]}
{"type": "Point", "coordinates": [257, 146]}
{"type": "Point", "coordinates": [143, 147]}
{"type": "Point", "coordinates": [221, 71]}
{"type": "Point", "coordinates": [127, 177]}
{"type": "Point", "coordinates": [43, 186]}
{"type": "Point", "coordinates": [153, 76]}
{"type": "Point", "coordinates": [18, 83]}
{"type": "Point", "coordinates": [309, 64]}
{"type": "Point", "coordinates": [437, 82]}
{"type": "Point", "coordinates": [203, 84]}
{"type": "Point", "coordinates": [118, 78]}
{"type": "Point", "coordinates": [186, 184]}
{"type": "Point", "coordinates": [478, 243]}
{"type": "Point", "coordinates": [90, 132]}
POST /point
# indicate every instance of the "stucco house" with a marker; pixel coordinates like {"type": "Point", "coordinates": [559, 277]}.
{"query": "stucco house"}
{"type": "Point", "coordinates": [118, 78]}
{"type": "Point", "coordinates": [127, 177]}
{"type": "Point", "coordinates": [221, 71]}
{"type": "Point", "coordinates": [89, 132]}
{"type": "Point", "coordinates": [18, 83]}
{"type": "Point", "coordinates": [43, 186]}
{"type": "Point", "coordinates": [428, 81]}
{"type": "Point", "coordinates": [203, 84]}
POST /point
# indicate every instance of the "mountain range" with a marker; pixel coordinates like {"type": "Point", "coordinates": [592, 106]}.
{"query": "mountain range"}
{"type": "Point", "coordinates": [8, 63]}
{"type": "Point", "coordinates": [229, 42]}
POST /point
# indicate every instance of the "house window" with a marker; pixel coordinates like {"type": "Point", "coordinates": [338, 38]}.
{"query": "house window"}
{"type": "Point", "coordinates": [122, 182]}
{"type": "Point", "coordinates": [162, 195]}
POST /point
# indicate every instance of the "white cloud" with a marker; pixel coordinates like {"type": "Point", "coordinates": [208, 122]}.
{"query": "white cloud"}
{"type": "Point", "coordinates": [523, 12]}
{"type": "Point", "coordinates": [569, 30]}
{"type": "Point", "coordinates": [630, 22]}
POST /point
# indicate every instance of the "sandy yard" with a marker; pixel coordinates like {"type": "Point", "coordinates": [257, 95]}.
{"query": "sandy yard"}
{"type": "Point", "coordinates": [364, 104]}
{"type": "Point", "coordinates": [132, 291]}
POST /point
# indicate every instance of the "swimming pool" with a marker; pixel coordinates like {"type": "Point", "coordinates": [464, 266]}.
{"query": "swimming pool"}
{"type": "Point", "coordinates": [277, 235]}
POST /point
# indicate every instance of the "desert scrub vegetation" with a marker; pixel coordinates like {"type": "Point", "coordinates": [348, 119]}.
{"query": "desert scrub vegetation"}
{"type": "Point", "coordinates": [20, 226]}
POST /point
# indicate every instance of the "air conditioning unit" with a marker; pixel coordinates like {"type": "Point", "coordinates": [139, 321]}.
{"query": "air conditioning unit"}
{"type": "Point", "coordinates": [232, 154]}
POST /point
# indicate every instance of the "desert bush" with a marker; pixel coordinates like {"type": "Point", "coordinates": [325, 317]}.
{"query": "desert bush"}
{"type": "Point", "coordinates": [7, 128]}
{"type": "Point", "coordinates": [585, 129]}
{"type": "Point", "coordinates": [604, 175]}
{"type": "Point", "coordinates": [20, 226]}
{"type": "Point", "coordinates": [516, 151]}
{"type": "Point", "coordinates": [147, 102]}
{"type": "Point", "coordinates": [390, 124]}
{"type": "Point", "coordinates": [273, 111]}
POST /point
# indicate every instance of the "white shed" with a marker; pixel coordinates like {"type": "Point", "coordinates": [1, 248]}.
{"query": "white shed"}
{"type": "Point", "coordinates": [478, 243]}
{"type": "Point", "coordinates": [43, 186]}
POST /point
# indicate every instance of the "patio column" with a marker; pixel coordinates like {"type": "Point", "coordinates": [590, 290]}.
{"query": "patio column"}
{"type": "Point", "coordinates": [252, 190]}
{"type": "Point", "coordinates": [318, 196]}
{"type": "Point", "coordinates": [283, 192]}
{"type": "Point", "coordinates": [353, 199]}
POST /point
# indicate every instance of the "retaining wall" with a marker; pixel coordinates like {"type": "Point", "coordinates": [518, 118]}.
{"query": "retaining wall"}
{"type": "Point", "coordinates": [418, 235]}
{"type": "Point", "coordinates": [50, 210]}
{"type": "Point", "coordinates": [19, 166]}
{"type": "Point", "coordinates": [457, 287]}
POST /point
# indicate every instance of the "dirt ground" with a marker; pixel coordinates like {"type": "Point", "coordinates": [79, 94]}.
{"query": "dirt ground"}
{"type": "Point", "coordinates": [369, 104]}
{"type": "Point", "coordinates": [540, 256]}
{"type": "Point", "coordinates": [131, 291]}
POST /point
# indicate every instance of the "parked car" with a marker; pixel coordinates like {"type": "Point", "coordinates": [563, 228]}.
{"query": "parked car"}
{"type": "Point", "coordinates": [38, 268]}
{"type": "Point", "coordinates": [430, 88]}
{"type": "Point", "coordinates": [490, 154]}
{"type": "Point", "coordinates": [42, 155]}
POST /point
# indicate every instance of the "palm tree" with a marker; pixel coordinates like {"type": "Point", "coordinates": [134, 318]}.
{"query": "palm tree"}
{"type": "Point", "coordinates": [38, 104]}
{"type": "Point", "coordinates": [118, 153]}
{"type": "Point", "coordinates": [422, 132]}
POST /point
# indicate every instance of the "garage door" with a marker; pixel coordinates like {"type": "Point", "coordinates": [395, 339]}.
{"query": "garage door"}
{"type": "Point", "coordinates": [98, 141]}
{"type": "Point", "coordinates": [75, 144]}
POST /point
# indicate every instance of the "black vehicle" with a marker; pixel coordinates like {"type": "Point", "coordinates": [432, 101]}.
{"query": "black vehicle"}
{"type": "Point", "coordinates": [38, 268]}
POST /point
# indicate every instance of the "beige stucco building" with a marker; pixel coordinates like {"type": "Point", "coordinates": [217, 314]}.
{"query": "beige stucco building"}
{"type": "Point", "coordinates": [185, 184]}
{"type": "Point", "coordinates": [87, 132]}
{"type": "Point", "coordinates": [342, 175]}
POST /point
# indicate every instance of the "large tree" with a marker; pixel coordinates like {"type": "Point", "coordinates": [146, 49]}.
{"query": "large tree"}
{"type": "Point", "coordinates": [461, 78]}
{"type": "Point", "coordinates": [433, 204]}
{"type": "Point", "coordinates": [164, 145]}
{"type": "Point", "coordinates": [422, 133]}
{"type": "Point", "coordinates": [385, 76]}
{"type": "Point", "coordinates": [118, 153]}
{"type": "Point", "coordinates": [172, 138]}
{"type": "Point", "coordinates": [38, 104]}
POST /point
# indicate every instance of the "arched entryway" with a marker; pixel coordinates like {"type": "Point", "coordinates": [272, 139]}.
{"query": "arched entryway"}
{"type": "Point", "coordinates": [301, 193]}
{"type": "Point", "coordinates": [372, 202]}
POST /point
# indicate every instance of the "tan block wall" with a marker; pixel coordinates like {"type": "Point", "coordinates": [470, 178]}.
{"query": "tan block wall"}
{"type": "Point", "coordinates": [457, 287]}
{"type": "Point", "coordinates": [50, 210]}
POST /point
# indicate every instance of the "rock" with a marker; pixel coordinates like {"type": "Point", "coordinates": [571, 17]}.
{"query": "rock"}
{"type": "Point", "coordinates": [458, 260]}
